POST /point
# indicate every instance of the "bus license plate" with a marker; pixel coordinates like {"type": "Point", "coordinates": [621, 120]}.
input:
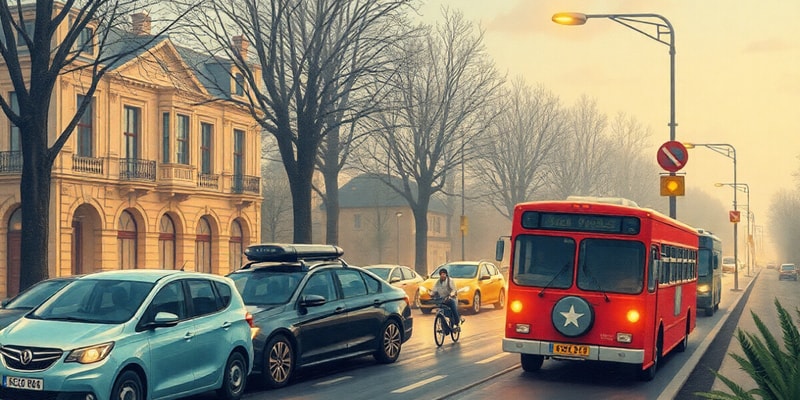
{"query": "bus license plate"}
{"type": "Point", "coordinates": [23, 383]}
{"type": "Point", "coordinates": [574, 350]}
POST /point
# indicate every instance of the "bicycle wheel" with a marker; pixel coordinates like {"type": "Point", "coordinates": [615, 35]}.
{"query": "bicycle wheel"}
{"type": "Point", "coordinates": [455, 333]}
{"type": "Point", "coordinates": [439, 327]}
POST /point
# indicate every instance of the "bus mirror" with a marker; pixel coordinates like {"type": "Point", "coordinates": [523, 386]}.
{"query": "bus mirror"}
{"type": "Point", "coordinates": [499, 250]}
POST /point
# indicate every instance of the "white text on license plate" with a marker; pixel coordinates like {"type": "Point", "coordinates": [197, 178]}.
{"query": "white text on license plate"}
{"type": "Point", "coordinates": [23, 383]}
{"type": "Point", "coordinates": [564, 349]}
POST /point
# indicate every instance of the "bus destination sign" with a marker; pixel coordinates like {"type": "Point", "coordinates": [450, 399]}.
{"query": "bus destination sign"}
{"type": "Point", "coordinates": [580, 222]}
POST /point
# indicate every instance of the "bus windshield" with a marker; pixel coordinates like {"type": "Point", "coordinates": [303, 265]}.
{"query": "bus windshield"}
{"type": "Point", "coordinates": [704, 262]}
{"type": "Point", "coordinates": [545, 261]}
{"type": "Point", "coordinates": [610, 265]}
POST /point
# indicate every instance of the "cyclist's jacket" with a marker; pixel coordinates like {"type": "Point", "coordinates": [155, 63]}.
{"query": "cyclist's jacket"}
{"type": "Point", "coordinates": [445, 289]}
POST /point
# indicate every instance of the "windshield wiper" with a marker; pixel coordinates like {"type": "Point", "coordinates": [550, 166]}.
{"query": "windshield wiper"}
{"type": "Point", "coordinates": [596, 282]}
{"type": "Point", "coordinates": [561, 271]}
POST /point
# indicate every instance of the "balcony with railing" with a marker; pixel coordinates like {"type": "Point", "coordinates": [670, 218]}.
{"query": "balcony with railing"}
{"type": "Point", "coordinates": [88, 165]}
{"type": "Point", "coordinates": [133, 169]}
{"type": "Point", "coordinates": [246, 184]}
{"type": "Point", "coordinates": [208, 181]}
{"type": "Point", "coordinates": [10, 162]}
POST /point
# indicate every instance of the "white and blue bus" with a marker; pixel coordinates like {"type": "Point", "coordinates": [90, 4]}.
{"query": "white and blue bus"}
{"type": "Point", "coordinates": [709, 272]}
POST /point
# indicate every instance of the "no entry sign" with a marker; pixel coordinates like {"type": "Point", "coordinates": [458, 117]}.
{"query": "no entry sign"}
{"type": "Point", "coordinates": [672, 156]}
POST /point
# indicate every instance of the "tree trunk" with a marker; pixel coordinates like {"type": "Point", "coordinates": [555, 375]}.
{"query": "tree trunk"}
{"type": "Point", "coordinates": [35, 197]}
{"type": "Point", "coordinates": [421, 237]}
{"type": "Point", "coordinates": [331, 207]}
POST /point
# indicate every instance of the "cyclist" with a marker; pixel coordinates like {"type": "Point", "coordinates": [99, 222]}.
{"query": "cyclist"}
{"type": "Point", "coordinates": [445, 288]}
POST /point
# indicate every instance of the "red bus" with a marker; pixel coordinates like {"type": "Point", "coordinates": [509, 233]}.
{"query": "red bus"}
{"type": "Point", "coordinates": [593, 280]}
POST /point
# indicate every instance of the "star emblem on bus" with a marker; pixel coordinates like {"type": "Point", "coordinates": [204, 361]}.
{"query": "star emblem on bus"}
{"type": "Point", "coordinates": [571, 317]}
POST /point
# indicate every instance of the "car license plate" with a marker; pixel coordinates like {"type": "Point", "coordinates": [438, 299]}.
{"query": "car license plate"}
{"type": "Point", "coordinates": [574, 350]}
{"type": "Point", "coordinates": [23, 383]}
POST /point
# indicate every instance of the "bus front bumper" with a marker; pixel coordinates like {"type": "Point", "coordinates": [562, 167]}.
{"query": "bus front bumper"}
{"type": "Point", "coordinates": [596, 353]}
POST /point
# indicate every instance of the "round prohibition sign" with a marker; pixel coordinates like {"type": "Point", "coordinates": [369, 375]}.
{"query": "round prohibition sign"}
{"type": "Point", "coordinates": [672, 156]}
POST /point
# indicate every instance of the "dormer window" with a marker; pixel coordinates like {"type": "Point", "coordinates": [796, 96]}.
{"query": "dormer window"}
{"type": "Point", "coordinates": [86, 41]}
{"type": "Point", "coordinates": [239, 84]}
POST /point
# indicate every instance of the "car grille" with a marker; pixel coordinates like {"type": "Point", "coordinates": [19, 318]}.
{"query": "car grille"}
{"type": "Point", "coordinates": [20, 358]}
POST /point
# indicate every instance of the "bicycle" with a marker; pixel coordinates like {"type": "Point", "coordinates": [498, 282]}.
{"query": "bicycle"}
{"type": "Point", "coordinates": [443, 324]}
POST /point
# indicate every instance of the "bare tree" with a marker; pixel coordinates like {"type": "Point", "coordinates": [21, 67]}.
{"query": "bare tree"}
{"type": "Point", "coordinates": [635, 174]}
{"type": "Point", "coordinates": [580, 165]}
{"type": "Point", "coordinates": [438, 114]}
{"type": "Point", "coordinates": [276, 221]}
{"type": "Point", "coordinates": [784, 222]}
{"type": "Point", "coordinates": [513, 167]}
{"type": "Point", "coordinates": [41, 41]}
{"type": "Point", "coordinates": [305, 81]}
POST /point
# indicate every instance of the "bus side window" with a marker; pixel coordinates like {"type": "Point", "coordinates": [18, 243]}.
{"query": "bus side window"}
{"type": "Point", "coordinates": [653, 271]}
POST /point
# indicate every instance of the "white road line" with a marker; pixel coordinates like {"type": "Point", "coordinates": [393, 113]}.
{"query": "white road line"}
{"type": "Point", "coordinates": [332, 381]}
{"type": "Point", "coordinates": [419, 384]}
{"type": "Point", "coordinates": [492, 358]}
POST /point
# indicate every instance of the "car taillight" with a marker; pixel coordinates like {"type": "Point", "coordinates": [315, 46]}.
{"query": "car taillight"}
{"type": "Point", "coordinates": [249, 318]}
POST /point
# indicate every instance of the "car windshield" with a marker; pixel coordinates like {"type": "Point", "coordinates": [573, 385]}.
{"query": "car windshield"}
{"type": "Point", "coordinates": [461, 271]}
{"type": "Point", "coordinates": [787, 267]}
{"type": "Point", "coordinates": [36, 294]}
{"type": "Point", "coordinates": [267, 287]}
{"type": "Point", "coordinates": [95, 301]}
{"type": "Point", "coordinates": [382, 272]}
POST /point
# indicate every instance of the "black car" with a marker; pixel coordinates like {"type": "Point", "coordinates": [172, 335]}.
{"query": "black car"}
{"type": "Point", "coordinates": [15, 307]}
{"type": "Point", "coordinates": [310, 307]}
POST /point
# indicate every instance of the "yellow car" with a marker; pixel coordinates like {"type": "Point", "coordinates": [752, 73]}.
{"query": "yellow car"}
{"type": "Point", "coordinates": [478, 283]}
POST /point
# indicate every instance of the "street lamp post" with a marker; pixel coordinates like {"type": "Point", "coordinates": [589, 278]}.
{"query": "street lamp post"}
{"type": "Point", "coordinates": [729, 151]}
{"type": "Point", "coordinates": [398, 215]}
{"type": "Point", "coordinates": [746, 189]}
{"type": "Point", "coordinates": [663, 28]}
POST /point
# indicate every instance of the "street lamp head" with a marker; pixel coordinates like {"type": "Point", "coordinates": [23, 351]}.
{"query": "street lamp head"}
{"type": "Point", "coordinates": [688, 145]}
{"type": "Point", "coordinates": [719, 184]}
{"type": "Point", "coordinates": [569, 18]}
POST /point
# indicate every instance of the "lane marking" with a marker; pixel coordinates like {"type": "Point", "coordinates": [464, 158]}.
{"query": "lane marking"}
{"type": "Point", "coordinates": [332, 381]}
{"type": "Point", "coordinates": [419, 384]}
{"type": "Point", "coordinates": [492, 358]}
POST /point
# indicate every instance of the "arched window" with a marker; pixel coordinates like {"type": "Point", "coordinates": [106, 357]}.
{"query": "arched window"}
{"type": "Point", "coordinates": [126, 240]}
{"type": "Point", "coordinates": [166, 243]}
{"type": "Point", "coordinates": [235, 246]}
{"type": "Point", "coordinates": [203, 246]}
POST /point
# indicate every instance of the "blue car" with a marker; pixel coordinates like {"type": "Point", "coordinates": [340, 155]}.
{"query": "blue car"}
{"type": "Point", "coordinates": [134, 334]}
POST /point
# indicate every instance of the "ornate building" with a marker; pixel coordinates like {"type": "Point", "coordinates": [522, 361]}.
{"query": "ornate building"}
{"type": "Point", "coordinates": [161, 171]}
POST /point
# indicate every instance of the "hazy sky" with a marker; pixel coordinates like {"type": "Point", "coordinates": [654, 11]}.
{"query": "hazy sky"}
{"type": "Point", "coordinates": [737, 77]}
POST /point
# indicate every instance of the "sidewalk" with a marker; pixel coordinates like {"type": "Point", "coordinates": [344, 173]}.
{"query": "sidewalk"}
{"type": "Point", "coordinates": [730, 299]}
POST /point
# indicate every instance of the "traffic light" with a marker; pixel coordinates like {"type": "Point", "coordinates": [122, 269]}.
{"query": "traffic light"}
{"type": "Point", "coordinates": [672, 185]}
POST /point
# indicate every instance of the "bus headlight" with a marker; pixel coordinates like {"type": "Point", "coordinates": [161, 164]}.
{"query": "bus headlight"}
{"type": "Point", "coordinates": [703, 289]}
{"type": "Point", "coordinates": [633, 316]}
{"type": "Point", "coordinates": [516, 306]}
{"type": "Point", "coordinates": [623, 337]}
{"type": "Point", "coordinates": [522, 328]}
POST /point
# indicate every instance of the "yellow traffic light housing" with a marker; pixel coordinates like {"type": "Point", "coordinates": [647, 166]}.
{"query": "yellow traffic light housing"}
{"type": "Point", "coordinates": [672, 185]}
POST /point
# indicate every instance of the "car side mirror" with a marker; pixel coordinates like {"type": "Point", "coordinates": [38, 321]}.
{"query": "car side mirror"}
{"type": "Point", "coordinates": [312, 300]}
{"type": "Point", "coordinates": [394, 279]}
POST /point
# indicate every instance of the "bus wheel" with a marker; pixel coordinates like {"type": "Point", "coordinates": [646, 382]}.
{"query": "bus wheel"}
{"type": "Point", "coordinates": [681, 347]}
{"type": "Point", "coordinates": [531, 363]}
{"type": "Point", "coordinates": [650, 373]}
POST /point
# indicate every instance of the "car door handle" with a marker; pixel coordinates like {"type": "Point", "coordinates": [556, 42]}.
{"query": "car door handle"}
{"type": "Point", "coordinates": [188, 335]}
{"type": "Point", "coordinates": [226, 325]}
{"type": "Point", "coordinates": [376, 302]}
{"type": "Point", "coordinates": [339, 310]}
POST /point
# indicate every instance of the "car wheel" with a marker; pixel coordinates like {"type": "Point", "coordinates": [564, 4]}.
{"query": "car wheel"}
{"type": "Point", "coordinates": [476, 303]}
{"type": "Point", "coordinates": [501, 300]}
{"type": "Point", "coordinates": [416, 300]}
{"type": "Point", "coordinates": [128, 386]}
{"type": "Point", "coordinates": [234, 379]}
{"type": "Point", "coordinates": [426, 310]}
{"type": "Point", "coordinates": [278, 362]}
{"type": "Point", "coordinates": [391, 340]}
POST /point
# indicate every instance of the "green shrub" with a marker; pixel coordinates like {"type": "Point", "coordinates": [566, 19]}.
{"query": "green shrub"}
{"type": "Point", "coordinates": [775, 371]}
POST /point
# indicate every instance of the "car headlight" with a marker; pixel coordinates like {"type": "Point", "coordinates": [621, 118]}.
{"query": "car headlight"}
{"type": "Point", "coordinates": [90, 354]}
{"type": "Point", "coordinates": [423, 290]}
{"type": "Point", "coordinates": [464, 289]}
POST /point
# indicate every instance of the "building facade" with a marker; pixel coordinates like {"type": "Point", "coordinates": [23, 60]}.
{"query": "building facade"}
{"type": "Point", "coordinates": [161, 171]}
{"type": "Point", "coordinates": [376, 225]}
